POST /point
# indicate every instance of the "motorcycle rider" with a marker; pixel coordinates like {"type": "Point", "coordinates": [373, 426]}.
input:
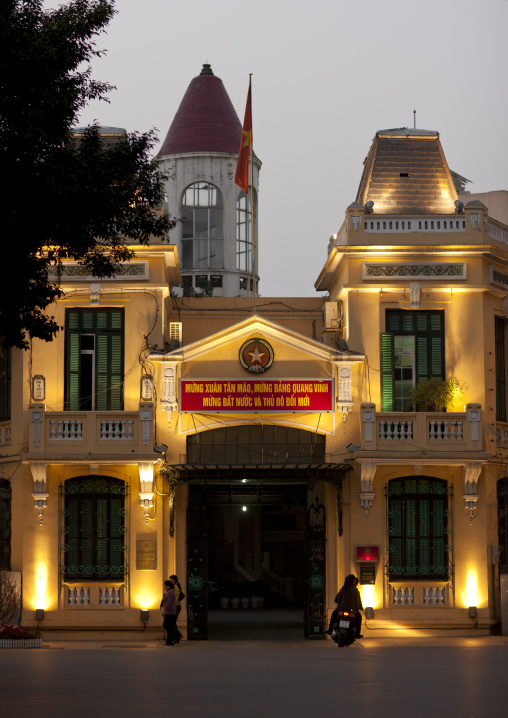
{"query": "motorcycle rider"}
{"type": "Point", "coordinates": [348, 599]}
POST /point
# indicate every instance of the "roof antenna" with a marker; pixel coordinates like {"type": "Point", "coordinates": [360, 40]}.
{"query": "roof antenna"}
{"type": "Point", "coordinates": [414, 119]}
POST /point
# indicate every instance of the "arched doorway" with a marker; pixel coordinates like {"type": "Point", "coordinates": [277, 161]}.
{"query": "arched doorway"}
{"type": "Point", "coordinates": [256, 523]}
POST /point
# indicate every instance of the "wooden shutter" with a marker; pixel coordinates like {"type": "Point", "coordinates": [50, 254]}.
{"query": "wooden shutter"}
{"type": "Point", "coordinates": [387, 373]}
{"type": "Point", "coordinates": [500, 370]}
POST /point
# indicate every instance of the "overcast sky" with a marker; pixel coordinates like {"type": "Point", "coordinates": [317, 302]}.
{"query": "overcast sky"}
{"type": "Point", "coordinates": [327, 75]}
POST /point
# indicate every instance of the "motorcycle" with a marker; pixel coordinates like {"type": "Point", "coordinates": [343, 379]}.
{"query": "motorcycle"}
{"type": "Point", "coordinates": [344, 632]}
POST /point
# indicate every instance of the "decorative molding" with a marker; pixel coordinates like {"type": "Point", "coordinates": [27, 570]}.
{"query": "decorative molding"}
{"type": "Point", "coordinates": [94, 469]}
{"type": "Point", "coordinates": [356, 221]}
{"type": "Point", "coordinates": [368, 419]}
{"type": "Point", "coordinates": [474, 219]}
{"type": "Point", "coordinates": [418, 470]}
{"type": "Point", "coordinates": [169, 402]}
{"type": "Point", "coordinates": [95, 295]}
{"type": "Point", "coordinates": [145, 416]}
{"type": "Point", "coordinates": [366, 494]}
{"type": "Point", "coordinates": [498, 277]}
{"type": "Point", "coordinates": [146, 485]}
{"type": "Point", "coordinates": [474, 414]}
{"type": "Point", "coordinates": [78, 272]}
{"type": "Point", "coordinates": [344, 388]}
{"type": "Point", "coordinates": [400, 270]}
{"type": "Point", "coordinates": [414, 289]}
{"type": "Point", "coordinates": [37, 418]}
{"type": "Point", "coordinates": [39, 495]}
{"type": "Point", "coordinates": [472, 471]}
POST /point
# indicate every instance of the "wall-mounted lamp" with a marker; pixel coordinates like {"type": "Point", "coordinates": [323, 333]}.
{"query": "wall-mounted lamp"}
{"type": "Point", "coordinates": [160, 449]}
{"type": "Point", "coordinates": [472, 612]}
{"type": "Point", "coordinates": [369, 612]}
{"type": "Point", "coordinates": [39, 614]}
{"type": "Point", "coordinates": [144, 615]}
{"type": "Point", "coordinates": [352, 447]}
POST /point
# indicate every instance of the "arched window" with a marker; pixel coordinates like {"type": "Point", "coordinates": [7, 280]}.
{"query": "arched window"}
{"type": "Point", "coordinates": [202, 227]}
{"type": "Point", "coordinates": [5, 525]}
{"type": "Point", "coordinates": [94, 528]}
{"type": "Point", "coordinates": [418, 533]}
{"type": "Point", "coordinates": [244, 233]}
{"type": "Point", "coordinates": [502, 525]}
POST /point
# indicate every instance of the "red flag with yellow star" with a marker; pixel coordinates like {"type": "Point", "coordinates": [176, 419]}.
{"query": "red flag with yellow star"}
{"type": "Point", "coordinates": [242, 168]}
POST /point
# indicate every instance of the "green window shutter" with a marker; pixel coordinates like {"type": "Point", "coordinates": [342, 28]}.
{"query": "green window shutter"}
{"type": "Point", "coordinates": [500, 365]}
{"type": "Point", "coordinates": [5, 383]}
{"type": "Point", "coordinates": [437, 357]}
{"type": "Point", "coordinates": [387, 373]}
{"type": "Point", "coordinates": [73, 365]}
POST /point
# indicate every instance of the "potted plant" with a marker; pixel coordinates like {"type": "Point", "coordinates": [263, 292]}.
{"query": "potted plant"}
{"type": "Point", "coordinates": [436, 394]}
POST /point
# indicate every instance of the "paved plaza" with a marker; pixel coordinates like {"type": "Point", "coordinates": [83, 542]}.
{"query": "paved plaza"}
{"type": "Point", "coordinates": [271, 675]}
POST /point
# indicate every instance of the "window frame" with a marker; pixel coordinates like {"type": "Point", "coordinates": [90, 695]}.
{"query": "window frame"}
{"type": "Point", "coordinates": [428, 328]}
{"type": "Point", "coordinates": [107, 325]}
{"type": "Point", "coordinates": [405, 551]}
{"type": "Point", "coordinates": [93, 534]}
{"type": "Point", "coordinates": [198, 259]}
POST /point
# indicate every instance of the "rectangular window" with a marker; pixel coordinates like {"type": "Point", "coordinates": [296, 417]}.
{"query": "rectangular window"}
{"type": "Point", "coordinates": [411, 351]}
{"type": "Point", "coordinates": [418, 544]}
{"type": "Point", "coordinates": [500, 369]}
{"type": "Point", "coordinates": [94, 528]}
{"type": "Point", "coordinates": [94, 349]}
{"type": "Point", "coordinates": [5, 383]}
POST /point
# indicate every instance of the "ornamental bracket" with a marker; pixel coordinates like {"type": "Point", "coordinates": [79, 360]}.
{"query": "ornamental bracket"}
{"type": "Point", "coordinates": [472, 471]}
{"type": "Point", "coordinates": [39, 495]}
{"type": "Point", "coordinates": [366, 494]}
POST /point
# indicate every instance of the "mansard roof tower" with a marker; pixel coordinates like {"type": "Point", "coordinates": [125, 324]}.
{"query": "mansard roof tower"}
{"type": "Point", "coordinates": [199, 155]}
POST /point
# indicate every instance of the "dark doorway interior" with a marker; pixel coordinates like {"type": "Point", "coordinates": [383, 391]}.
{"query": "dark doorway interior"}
{"type": "Point", "coordinates": [255, 558]}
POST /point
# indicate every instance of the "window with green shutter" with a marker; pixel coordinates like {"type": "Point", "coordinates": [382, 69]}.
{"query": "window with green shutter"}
{"type": "Point", "coordinates": [411, 350]}
{"type": "Point", "coordinates": [94, 528]}
{"type": "Point", "coordinates": [94, 358]}
{"type": "Point", "coordinates": [5, 525]}
{"type": "Point", "coordinates": [5, 383]}
{"type": "Point", "coordinates": [500, 358]}
{"type": "Point", "coordinates": [419, 538]}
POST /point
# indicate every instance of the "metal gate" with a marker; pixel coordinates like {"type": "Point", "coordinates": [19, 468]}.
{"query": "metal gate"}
{"type": "Point", "coordinates": [197, 571]}
{"type": "Point", "coordinates": [315, 551]}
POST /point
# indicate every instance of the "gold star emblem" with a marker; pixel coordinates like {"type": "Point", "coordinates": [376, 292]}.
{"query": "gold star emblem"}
{"type": "Point", "coordinates": [256, 355]}
{"type": "Point", "coordinates": [246, 138]}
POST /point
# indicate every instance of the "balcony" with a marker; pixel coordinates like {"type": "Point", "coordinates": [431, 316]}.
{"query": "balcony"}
{"type": "Point", "coordinates": [73, 434]}
{"type": "Point", "coordinates": [421, 432]}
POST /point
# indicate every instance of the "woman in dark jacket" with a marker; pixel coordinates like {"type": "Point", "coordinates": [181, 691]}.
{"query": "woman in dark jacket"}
{"type": "Point", "coordinates": [348, 599]}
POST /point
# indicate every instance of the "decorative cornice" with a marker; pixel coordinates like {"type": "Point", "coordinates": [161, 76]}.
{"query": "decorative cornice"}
{"type": "Point", "coordinates": [78, 272]}
{"type": "Point", "coordinates": [498, 277]}
{"type": "Point", "coordinates": [400, 270]}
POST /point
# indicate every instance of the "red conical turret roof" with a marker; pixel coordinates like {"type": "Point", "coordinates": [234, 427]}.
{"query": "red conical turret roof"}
{"type": "Point", "coordinates": [206, 120]}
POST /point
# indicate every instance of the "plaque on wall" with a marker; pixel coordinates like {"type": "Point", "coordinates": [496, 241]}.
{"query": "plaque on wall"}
{"type": "Point", "coordinates": [146, 555]}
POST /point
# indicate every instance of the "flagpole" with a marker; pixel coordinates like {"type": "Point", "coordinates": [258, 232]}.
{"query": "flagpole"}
{"type": "Point", "coordinates": [252, 201]}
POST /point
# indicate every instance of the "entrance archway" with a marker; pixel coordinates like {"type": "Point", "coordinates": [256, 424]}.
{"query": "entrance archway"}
{"type": "Point", "coordinates": [257, 527]}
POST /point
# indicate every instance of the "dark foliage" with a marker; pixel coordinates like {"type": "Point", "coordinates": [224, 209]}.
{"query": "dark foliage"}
{"type": "Point", "coordinates": [64, 195]}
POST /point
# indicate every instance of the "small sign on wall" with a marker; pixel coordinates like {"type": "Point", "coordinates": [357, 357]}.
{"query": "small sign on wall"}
{"type": "Point", "coordinates": [367, 553]}
{"type": "Point", "coordinates": [367, 574]}
{"type": "Point", "coordinates": [146, 555]}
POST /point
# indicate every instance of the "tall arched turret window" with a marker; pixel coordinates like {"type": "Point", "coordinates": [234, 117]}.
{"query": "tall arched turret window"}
{"type": "Point", "coordinates": [244, 233]}
{"type": "Point", "coordinates": [202, 228]}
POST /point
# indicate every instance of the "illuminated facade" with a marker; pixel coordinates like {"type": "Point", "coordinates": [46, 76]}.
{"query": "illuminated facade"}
{"type": "Point", "coordinates": [287, 451]}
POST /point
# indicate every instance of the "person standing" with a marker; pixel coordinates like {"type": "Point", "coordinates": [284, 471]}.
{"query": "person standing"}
{"type": "Point", "coordinates": [179, 594]}
{"type": "Point", "coordinates": [169, 610]}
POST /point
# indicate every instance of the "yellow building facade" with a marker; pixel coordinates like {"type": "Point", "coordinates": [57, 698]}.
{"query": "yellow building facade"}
{"type": "Point", "coordinates": [265, 455]}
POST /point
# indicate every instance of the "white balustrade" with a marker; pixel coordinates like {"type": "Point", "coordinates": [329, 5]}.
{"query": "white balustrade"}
{"type": "Point", "coordinates": [434, 596]}
{"type": "Point", "coordinates": [444, 430]}
{"type": "Point", "coordinates": [109, 596]}
{"type": "Point", "coordinates": [395, 430]}
{"type": "Point", "coordinates": [117, 429]}
{"type": "Point", "coordinates": [78, 596]}
{"type": "Point", "coordinates": [66, 429]}
{"type": "Point", "coordinates": [404, 224]}
{"type": "Point", "coordinates": [403, 596]}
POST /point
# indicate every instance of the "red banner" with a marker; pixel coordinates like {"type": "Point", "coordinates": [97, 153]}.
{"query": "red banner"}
{"type": "Point", "coordinates": [257, 395]}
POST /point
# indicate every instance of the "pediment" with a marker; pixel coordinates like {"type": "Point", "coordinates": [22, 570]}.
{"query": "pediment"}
{"type": "Point", "coordinates": [287, 344]}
